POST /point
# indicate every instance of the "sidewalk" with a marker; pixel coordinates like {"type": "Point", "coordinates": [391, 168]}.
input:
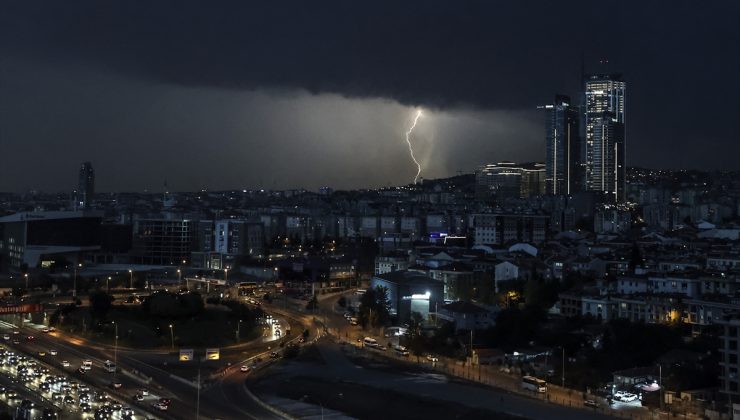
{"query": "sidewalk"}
{"type": "Point", "coordinates": [491, 376]}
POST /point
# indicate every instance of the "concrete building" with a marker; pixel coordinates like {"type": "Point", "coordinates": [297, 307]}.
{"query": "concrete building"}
{"type": "Point", "coordinates": [31, 240]}
{"type": "Point", "coordinates": [410, 291]}
{"type": "Point", "coordinates": [729, 352]}
{"type": "Point", "coordinates": [86, 186]}
{"type": "Point", "coordinates": [500, 229]}
{"type": "Point", "coordinates": [510, 180]}
{"type": "Point", "coordinates": [162, 241]}
{"type": "Point", "coordinates": [468, 316]}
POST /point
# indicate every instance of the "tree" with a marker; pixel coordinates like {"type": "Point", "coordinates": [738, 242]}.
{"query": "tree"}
{"type": "Point", "coordinates": [414, 335]}
{"type": "Point", "coordinates": [100, 304]}
{"type": "Point", "coordinates": [374, 307]}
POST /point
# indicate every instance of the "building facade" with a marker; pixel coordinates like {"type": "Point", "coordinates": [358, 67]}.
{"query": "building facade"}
{"type": "Point", "coordinates": [563, 147]}
{"type": "Point", "coordinates": [86, 186]}
{"type": "Point", "coordinates": [605, 134]}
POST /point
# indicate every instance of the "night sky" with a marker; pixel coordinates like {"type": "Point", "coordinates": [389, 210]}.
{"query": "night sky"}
{"type": "Point", "coordinates": [291, 94]}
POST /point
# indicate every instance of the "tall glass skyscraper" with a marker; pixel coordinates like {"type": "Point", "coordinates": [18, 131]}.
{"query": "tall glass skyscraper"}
{"type": "Point", "coordinates": [605, 134]}
{"type": "Point", "coordinates": [86, 188]}
{"type": "Point", "coordinates": [563, 147]}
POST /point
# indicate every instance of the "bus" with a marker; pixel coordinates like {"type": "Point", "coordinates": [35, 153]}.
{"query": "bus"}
{"type": "Point", "coordinates": [370, 342]}
{"type": "Point", "coordinates": [247, 288]}
{"type": "Point", "coordinates": [531, 383]}
{"type": "Point", "coordinates": [109, 366]}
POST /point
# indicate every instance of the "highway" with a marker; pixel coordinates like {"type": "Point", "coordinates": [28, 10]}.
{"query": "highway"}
{"type": "Point", "coordinates": [222, 393]}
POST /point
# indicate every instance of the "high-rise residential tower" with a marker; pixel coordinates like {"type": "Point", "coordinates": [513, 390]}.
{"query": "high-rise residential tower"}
{"type": "Point", "coordinates": [605, 134]}
{"type": "Point", "coordinates": [563, 147]}
{"type": "Point", "coordinates": [86, 188]}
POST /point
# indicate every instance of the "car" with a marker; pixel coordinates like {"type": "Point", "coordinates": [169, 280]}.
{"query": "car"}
{"type": "Point", "coordinates": [53, 352]}
{"type": "Point", "coordinates": [42, 353]}
{"type": "Point", "coordinates": [45, 330]}
{"type": "Point", "coordinates": [6, 337]}
{"type": "Point", "coordinates": [65, 363]}
{"type": "Point", "coordinates": [144, 391]}
{"type": "Point", "coordinates": [165, 401]}
{"type": "Point", "coordinates": [16, 332]}
{"type": "Point", "coordinates": [159, 406]}
{"type": "Point", "coordinates": [274, 355]}
{"type": "Point", "coordinates": [81, 370]}
{"type": "Point", "coordinates": [49, 414]}
{"type": "Point", "coordinates": [116, 385]}
{"type": "Point", "coordinates": [16, 342]}
{"type": "Point", "coordinates": [30, 338]}
{"type": "Point", "coordinates": [85, 407]}
{"type": "Point", "coordinates": [627, 397]}
{"type": "Point", "coordinates": [590, 403]}
{"type": "Point", "coordinates": [244, 368]}
{"type": "Point", "coordinates": [69, 400]}
{"type": "Point", "coordinates": [138, 397]}
{"type": "Point", "coordinates": [127, 411]}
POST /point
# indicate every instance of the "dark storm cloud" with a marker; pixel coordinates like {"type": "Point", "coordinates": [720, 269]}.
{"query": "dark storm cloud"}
{"type": "Point", "coordinates": [679, 58]}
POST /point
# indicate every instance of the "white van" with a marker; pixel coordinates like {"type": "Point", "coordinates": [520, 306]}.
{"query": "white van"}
{"type": "Point", "coordinates": [370, 342]}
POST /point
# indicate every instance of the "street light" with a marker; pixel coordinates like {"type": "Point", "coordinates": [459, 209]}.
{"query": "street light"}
{"type": "Point", "coordinates": [172, 337]}
{"type": "Point", "coordinates": [107, 285]}
{"type": "Point", "coordinates": [115, 349]}
{"type": "Point", "coordinates": [226, 274]}
{"type": "Point", "coordinates": [74, 285]}
{"type": "Point", "coordinates": [26, 276]}
{"type": "Point", "coordinates": [131, 278]}
{"type": "Point", "coordinates": [562, 370]}
{"type": "Point", "coordinates": [179, 276]}
{"type": "Point", "coordinates": [238, 328]}
{"type": "Point", "coordinates": [660, 384]}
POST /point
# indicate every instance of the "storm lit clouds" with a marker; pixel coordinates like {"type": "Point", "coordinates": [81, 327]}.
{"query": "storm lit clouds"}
{"type": "Point", "coordinates": [139, 135]}
{"type": "Point", "coordinates": [299, 94]}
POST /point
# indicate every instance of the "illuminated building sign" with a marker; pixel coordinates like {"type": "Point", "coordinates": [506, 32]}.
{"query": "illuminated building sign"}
{"type": "Point", "coordinates": [417, 296]}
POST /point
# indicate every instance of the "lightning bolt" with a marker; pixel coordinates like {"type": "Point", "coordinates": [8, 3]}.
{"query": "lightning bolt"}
{"type": "Point", "coordinates": [411, 149]}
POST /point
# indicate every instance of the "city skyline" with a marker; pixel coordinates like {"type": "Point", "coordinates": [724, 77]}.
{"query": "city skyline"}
{"type": "Point", "coordinates": [258, 110]}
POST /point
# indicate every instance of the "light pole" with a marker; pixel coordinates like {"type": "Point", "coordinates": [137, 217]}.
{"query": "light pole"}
{"type": "Point", "coordinates": [238, 329]}
{"type": "Point", "coordinates": [26, 276]}
{"type": "Point", "coordinates": [115, 350]}
{"type": "Point", "coordinates": [107, 285]}
{"type": "Point", "coordinates": [660, 384]}
{"type": "Point", "coordinates": [562, 370]}
{"type": "Point", "coordinates": [172, 337]}
{"type": "Point", "coordinates": [131, 279]}
{"type": "Point", "coordinates": [179, 277]}
{"type": "Point", "coordinates": [226, 274]}
{"type": "Point", "coordinates": [74, 284]}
